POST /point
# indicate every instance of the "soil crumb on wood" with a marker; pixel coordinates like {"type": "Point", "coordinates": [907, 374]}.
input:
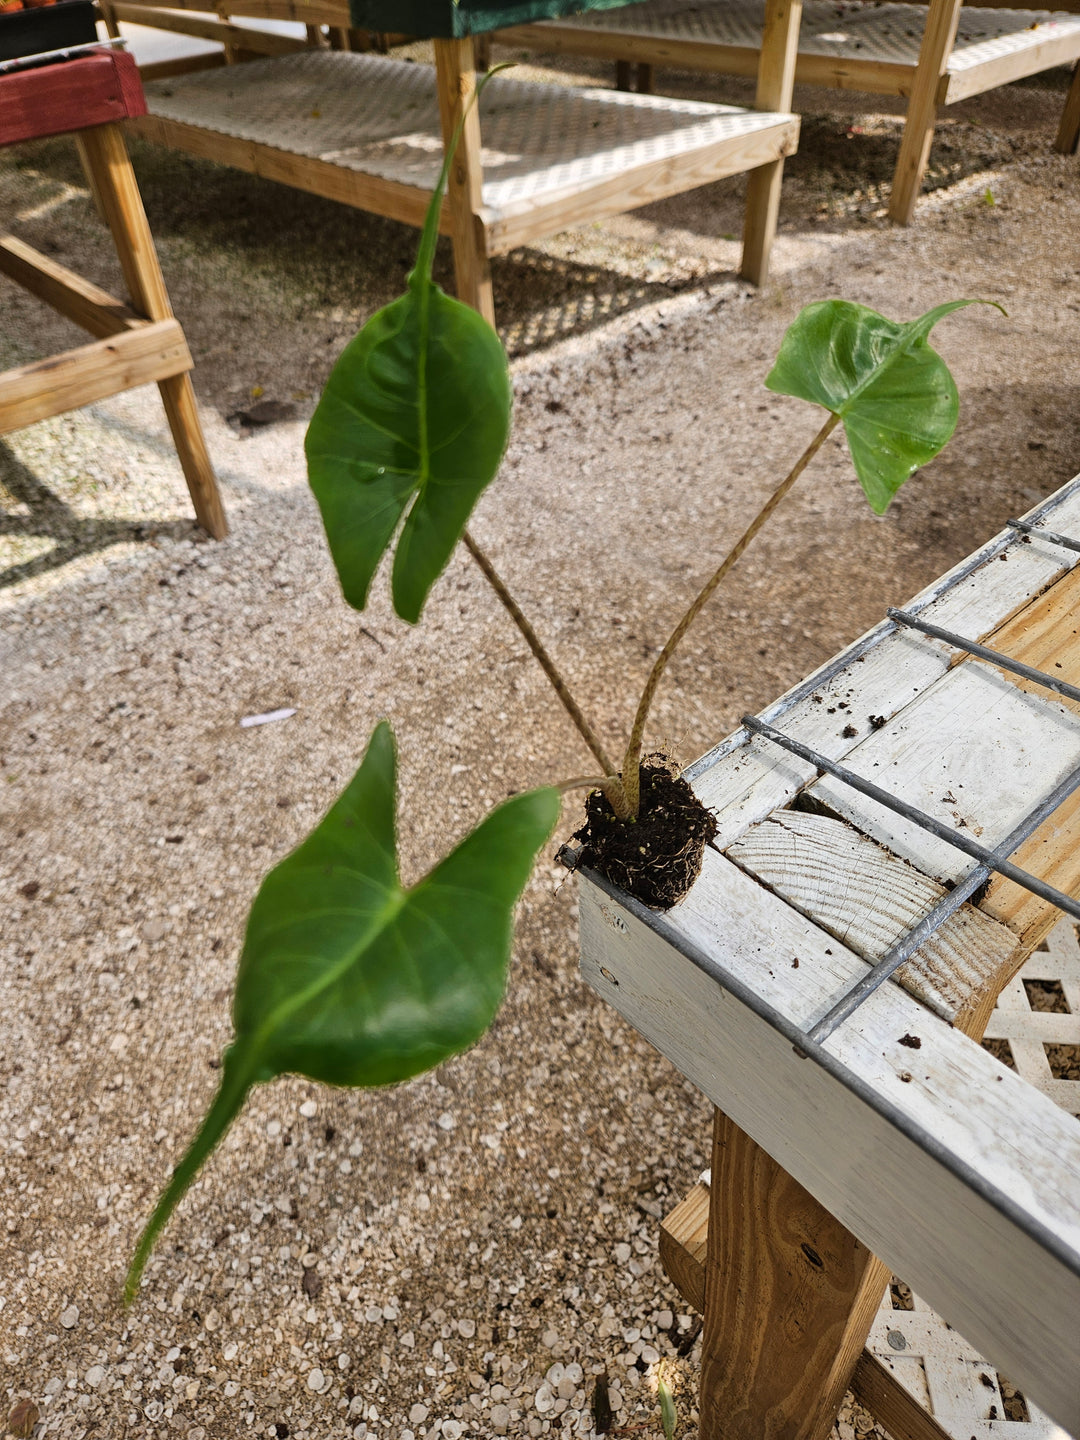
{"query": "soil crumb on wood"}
{"type": "Point", "coordinates": [656, 857]}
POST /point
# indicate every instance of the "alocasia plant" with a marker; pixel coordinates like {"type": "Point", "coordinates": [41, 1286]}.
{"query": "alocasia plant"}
{"type": "Point", "coordinates": [346, 977]}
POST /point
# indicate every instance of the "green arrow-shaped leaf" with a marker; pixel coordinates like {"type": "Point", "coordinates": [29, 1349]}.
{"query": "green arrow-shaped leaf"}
{"type": "Point", "coordinates": [415, 416]}
{"type": "Point", "coordinates": [893, 392]}
{"type": "Point", "coordinates": [350, 979]}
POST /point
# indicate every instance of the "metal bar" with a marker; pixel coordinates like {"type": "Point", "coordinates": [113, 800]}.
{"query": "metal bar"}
{"type": "Point", "coordinates": [994, 547]}
{"type": "Point", "coordinates": [918, 817]}
{"type": "Point", "coordinates": [33, 62]}
{"type": "Point", "coordinates": [1055, 539]}
{"type": "Point", "coordinates": [983, 652]}
{"type": "Point", "coordinates": [932, 921]}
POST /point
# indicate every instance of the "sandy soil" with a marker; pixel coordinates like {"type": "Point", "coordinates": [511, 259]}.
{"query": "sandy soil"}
{"type": "Point", "coordinates": [415, 1261]}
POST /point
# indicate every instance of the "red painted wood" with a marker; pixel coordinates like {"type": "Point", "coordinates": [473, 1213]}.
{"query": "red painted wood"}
{"type": "Point", "coordinates": [95, 89]}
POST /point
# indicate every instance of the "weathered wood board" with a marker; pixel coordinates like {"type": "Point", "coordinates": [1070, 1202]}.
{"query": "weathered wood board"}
{"type": "Point", "coordinates": [973, 750]}
{"type": "Point", "coordinates": [869, 899]}
{"type": "Point", "coordinates": [882, 671]}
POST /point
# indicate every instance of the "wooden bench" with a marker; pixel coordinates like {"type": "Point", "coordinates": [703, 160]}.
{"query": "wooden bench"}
{"type": "Point", "coordinates": [934, 55]}
{"type": "Point", "coordinates": [368, 130]}
{"type": "Point", "coordinates": [89, 97]}
{"type": "Point", "coordinates": [893, 1143]}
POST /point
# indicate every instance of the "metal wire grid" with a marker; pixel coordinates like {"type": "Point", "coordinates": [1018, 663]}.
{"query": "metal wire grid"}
{"type": "Point", "coordinates": [988, 861]}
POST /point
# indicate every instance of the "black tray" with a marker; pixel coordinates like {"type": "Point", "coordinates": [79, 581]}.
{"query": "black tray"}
{"type": "Point", "coordinates": [46, 27]}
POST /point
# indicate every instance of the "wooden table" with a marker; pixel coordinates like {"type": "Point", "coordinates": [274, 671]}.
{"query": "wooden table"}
{"type": "Point", "coordinates": [932, 54]}
{"type": "Point", "coordinates": [368, 130]}
{"type": "Point", "coordinates": [897, 1144]}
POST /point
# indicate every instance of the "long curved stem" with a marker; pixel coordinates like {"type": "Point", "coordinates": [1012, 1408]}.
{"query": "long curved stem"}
{"type": "Point", "coordinates": [236, 1081]}
{"type": "Point", "coordinates": [631, 772]}
{"type": "Point", "coordinates": [546, 663]}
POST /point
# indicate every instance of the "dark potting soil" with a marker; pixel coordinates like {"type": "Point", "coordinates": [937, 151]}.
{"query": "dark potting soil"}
{"type": "Point", "coordinates": [656, 857]}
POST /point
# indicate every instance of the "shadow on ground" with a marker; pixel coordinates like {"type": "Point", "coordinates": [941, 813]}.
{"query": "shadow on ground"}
{"type": "Point", "coordinates": [40, 513]}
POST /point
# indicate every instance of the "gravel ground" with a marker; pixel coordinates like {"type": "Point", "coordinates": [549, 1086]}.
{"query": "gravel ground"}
{"type": "Point", "coordinates": [464, 1255]}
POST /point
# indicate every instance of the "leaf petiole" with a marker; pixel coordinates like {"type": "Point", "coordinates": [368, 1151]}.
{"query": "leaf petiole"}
{"type": "Point", "coordinates": [236, 1080]}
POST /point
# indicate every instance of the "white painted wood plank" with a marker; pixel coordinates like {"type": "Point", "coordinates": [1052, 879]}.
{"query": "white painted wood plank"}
{"type": "Point", "coordinates": [869, 899]}
{"type": "Point", "coordinates": [883, 670]}
{"type": "Point", "coordinates": [948, 1166]}
{"type": "Point", "coordinates": [973, 750]}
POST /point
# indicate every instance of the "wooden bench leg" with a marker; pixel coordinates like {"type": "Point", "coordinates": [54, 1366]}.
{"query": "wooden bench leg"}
{"type": "Point", "coordinates": [1068, 136]}
{"type": "Point", "coordinates": [108, 15]}
{"type": "Point", "coordinates": [178, 397]}
{"type": "Point", "coordinates": [108, 168]}
{"type": "Point", "coordinates": [763, 187]}
{"type": "Point", "coordinates": [455, 67]}
{"type": "Point", "coordinates": [776, 82]}
{"type": "Point", "coordinates": [942, 18]}
{"type": "Point", "coordinates": [790, 1296]}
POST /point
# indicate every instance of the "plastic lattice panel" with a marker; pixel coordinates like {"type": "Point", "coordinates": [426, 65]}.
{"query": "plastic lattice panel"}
{"type": "Point", "coordinates": [950, 1380]}
{"type": "Point", "coordinates": [1035, 1028]}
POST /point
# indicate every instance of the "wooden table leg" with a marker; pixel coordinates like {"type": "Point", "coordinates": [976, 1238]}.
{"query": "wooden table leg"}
{"type": "Point", "coordinates": [1068, 136]}
{"type": "Point", "coordinates": [455, 68]}
{"type": "Point", "coordinates": [108, 168]}
{"type": "Point", "coordinates": [942, 18]}
{"type": "Point", "coordinates": [790, 1296]}
{"type": "Point", "coordinates": [776, 81]}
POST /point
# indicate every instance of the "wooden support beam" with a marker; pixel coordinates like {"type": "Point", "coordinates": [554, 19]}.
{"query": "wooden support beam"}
{"type": "Point", "coordinates": [1068, 135]}
{"type": "Point", "coordinates": [92, 372]}
{"type": "Point", "coordinates": [79, 300]}
{"type": "Point", "coordinates": [684, 1238]}
{"type": "Point", "coordinates": [261, 42]}
{"type": "Point", "coordinates": [790, 1296]}
{"type": "Point", "coordinates": [309, 12]}
{"type": "Point", "coordinates": [776, 81]}
{"type": "Point", "coordinates": [108, 170]}
{"type": "Point", "coordinates": [937, 43]}
{"type": "Point", "coordinates": [183, 65]}
{"type": "Point", "coordinates": [455, 69]}
{"type": "Point", "coordinates": [710, 56]}
{"type": "Point", "coordinates": [108, 167]}
{"type": "Point", "coordinates": [684, 1243]}
{"type": "Point", "coordinates": [109, 19]}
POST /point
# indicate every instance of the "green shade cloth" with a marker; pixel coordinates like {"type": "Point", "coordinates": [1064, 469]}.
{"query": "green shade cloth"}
{"type": "Point", "coordinates": [446, 19]}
